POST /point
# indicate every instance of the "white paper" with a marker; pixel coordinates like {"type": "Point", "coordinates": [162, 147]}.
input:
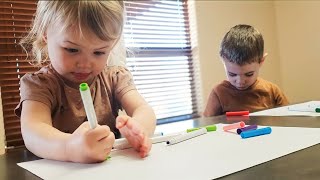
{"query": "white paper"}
{"type": "Point", "coordinates": [212, 155]}
{"type": "Point", "coordinates": [284, 111]}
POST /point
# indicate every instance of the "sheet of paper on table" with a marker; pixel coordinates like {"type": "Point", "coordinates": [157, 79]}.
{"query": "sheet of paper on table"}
{"type": "Point", "coordinates": [208, 156]}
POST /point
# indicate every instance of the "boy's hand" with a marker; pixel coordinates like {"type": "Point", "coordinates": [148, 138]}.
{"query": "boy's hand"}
{"type": "Point", "coordinates": [134, 133]}
{"type": "Point", "coordinates": [90, 145]}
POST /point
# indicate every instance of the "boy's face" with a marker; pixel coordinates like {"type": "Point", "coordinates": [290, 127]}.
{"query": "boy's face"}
{"type": "Point", "coordinates": [242, 77]}
{"type": "Point", "coordinates": [78, 59]}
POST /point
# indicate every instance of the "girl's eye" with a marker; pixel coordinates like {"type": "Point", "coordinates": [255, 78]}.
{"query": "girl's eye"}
{"type": "Point", "coordinates": [71, 50]}
{"type": "Point", "coordinates": [248, 75]}
{"type": "Point", "coordinates": [99, 53]}
{"type": "Point", "coordinates": [232, 75]}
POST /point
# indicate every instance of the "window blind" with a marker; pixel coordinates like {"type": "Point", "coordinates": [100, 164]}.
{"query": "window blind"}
{"type": "Point", "coordinates": [160, 57]}
{"type": "Point", "coordinates": [15, 21]}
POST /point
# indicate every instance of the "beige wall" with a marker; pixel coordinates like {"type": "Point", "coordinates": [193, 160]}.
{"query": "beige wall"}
{"type": "Point", "coordinates": [2, 150]}
{"type": "Point", "coordinates": [298, 29]}
{"type": "Point", "coordinates": [215, 18]}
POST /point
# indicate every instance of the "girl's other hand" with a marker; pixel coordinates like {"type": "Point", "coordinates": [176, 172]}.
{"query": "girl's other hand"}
{"type": "Point", "coordinates": [90, 145]}
{"type": "Point", "coordinates": [134, 133]}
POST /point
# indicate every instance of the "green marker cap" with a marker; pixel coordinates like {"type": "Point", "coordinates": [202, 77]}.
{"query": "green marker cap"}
{"type": "Point", "coordinates": [83, 87]}
{"type": "Point", "coordinates": [317, 110]}
{"type": "Point", "coordinates": [211, 128]}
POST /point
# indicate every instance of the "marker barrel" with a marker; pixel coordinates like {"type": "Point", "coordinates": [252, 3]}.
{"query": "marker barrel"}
{"type": "Point", "coordinates": [187, 136]}
{"type": "Point", "coordinates": [209, 128]}
{"type": "Point", "coordinates": [247, 128]}
{"type": "Point", "coordinates": [88, 104]}
{"type": "Point", "coordinates": [237, 113]}
{"type": "Point", "coordinates": [124, 144]}
{"type": "Point", "coordinates": [234, 126]}
{"type": "Point", "coordinates": [308, 109]}
{"type": "Point", "coordinates": [257, 132]}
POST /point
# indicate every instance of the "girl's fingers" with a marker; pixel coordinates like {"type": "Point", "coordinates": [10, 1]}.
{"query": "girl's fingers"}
{"type": "Point", "coordinates": [100, 132]}
{"type": "Point", "coordinates": [128, 123]}
{"type": "Point", "coordinates": [121, 121]}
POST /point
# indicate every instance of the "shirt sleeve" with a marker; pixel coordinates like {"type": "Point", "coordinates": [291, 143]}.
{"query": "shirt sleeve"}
{"type": "Point", "coordinates": [122, 81]}
{"type": "Point", "coordinates": [36, 87]}
{"type": "Point", "coordinates": [280, 97]}
{"type": "Point", "coordinates": [213, 107]}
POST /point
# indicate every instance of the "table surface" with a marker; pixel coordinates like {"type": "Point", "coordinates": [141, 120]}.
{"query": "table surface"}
{"type": "Point", "coordinates": [304, 164]}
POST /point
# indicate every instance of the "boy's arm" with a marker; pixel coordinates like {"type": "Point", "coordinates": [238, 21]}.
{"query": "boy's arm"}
{"type": "Point", "coordinates": [213, 107]}
{"type": "Point", "coordinates": [280, 97]}
{"type": "Point", "coordinates": [42, 139]}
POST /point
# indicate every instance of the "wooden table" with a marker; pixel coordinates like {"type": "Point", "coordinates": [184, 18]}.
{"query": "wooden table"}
{"type": "Point", "coordinates": [304, 164]}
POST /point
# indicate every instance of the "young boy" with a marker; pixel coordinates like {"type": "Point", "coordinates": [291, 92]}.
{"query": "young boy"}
{"type": "Point", "coordinates": [242, 52]}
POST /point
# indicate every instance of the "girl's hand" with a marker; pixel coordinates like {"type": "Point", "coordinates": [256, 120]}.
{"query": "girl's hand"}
{"type": "Point", "coordinates": [90, 145]}
{"type": "Point", "coordinates": [135, 134]}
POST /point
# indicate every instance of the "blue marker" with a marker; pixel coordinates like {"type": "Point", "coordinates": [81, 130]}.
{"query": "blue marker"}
{"type": "Point", "coordinates": [257, 132]}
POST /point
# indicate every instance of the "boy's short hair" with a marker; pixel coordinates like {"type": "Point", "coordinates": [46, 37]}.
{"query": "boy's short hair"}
{"type": "Point", "coordinates": [243, 44]}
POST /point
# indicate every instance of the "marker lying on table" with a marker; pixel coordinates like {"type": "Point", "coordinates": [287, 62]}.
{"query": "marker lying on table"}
{"type": "Point", "coordinates": [303, 109]}
{"type": "Point", "coordinates": [234, 126]}
{"type": "Point", "coordinates": [209, 128]}
{"type": "Point", "coordinates": [250, 127]}
{"type": "Point", "coordinates": [124, 144]}
{"type": "Point", "coordinates": [257, 132]}
{"type": "Point", "coordinates": [237, 113]}
{"type": "Point", "coordinates": [187, 136]}
{"type": "Point", "coordinates": [88, 104]}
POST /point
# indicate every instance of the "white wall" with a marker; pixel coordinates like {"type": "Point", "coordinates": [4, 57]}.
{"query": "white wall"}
{"type": "Point", "coordinates": [215, 18]}
{"type": "Point", "coordinates": [298, 28]}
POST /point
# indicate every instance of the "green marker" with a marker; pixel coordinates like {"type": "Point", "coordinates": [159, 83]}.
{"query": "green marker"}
{"type": "Point", "coordinates": [109, 157]}
{"type": "Point", "coordinates": [88, 104]}
{"type": "Point", "coordinates": [209, 128]}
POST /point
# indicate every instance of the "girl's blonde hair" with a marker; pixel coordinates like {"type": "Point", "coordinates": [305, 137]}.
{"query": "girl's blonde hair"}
{"type": "Point", "coordinates": [103, 18]}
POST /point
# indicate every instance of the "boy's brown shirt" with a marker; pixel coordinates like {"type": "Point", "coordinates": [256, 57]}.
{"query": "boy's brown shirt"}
{"type": "Point", "coordinates": [261, 95]}
{"type": "Point", "coordinates": [48, 87]}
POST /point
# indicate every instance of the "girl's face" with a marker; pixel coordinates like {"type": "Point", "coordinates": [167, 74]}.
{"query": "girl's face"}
{"type": "Point", "coordinates": [242, 77]}
{"type": "Point", "coordinates": [77, 59]}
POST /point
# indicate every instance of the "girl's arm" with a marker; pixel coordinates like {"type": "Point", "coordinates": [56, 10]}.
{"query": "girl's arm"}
{"type": "Point", "coordinates": [140, 123]}
{"type": "Point", "coordinates": [138, 109]}
{"type": "Point", "coordinates": [41, 138]}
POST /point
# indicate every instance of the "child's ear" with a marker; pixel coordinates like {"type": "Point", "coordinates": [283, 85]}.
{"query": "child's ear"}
{"type": "Point", "coordinates": [263, 58]}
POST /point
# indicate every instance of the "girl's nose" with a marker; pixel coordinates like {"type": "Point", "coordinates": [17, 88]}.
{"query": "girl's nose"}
{"type": "Point", "coordinates": [83, 63]}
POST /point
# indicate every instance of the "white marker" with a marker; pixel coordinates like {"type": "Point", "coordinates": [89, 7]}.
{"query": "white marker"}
{"type": "Point", "coordinates": [124, 144]}
{"type": "Point", "coordinates": [88, 104]}
{"type": "Point", "coordinates": [303, 109]}
{"type": "Point", "coordinates": [187, 136]}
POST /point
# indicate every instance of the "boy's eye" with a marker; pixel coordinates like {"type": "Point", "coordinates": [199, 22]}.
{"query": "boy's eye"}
{"type": "Point", "coordinates": [232, 75]}
{"type": "Point", "coordinates": [99, 53]}
{"type": "Point", "coordinates": [249, 74]}
{"type": "Point", "coordinates": [71, 50]}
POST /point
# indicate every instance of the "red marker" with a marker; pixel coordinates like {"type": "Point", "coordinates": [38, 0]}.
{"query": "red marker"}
{"type": "Point", "coordinates": [237, 113]}
{"type": "Point", "coordinates": [238, 118]}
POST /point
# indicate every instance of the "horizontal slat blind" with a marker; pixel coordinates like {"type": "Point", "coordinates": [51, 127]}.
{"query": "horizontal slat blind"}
{"type": "Point", "coordinates": [157, 33]}
{"type": "Point", "coordinates": [15, 21]}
